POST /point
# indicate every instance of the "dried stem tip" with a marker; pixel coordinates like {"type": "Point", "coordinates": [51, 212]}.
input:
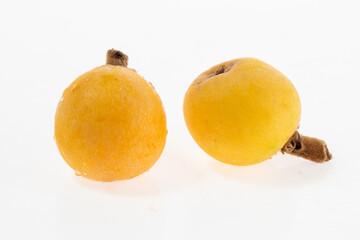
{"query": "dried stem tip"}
{"type": "Point", "coordinates": [116, 58]}
{"type": "Point", "coordinates": [309, 148]}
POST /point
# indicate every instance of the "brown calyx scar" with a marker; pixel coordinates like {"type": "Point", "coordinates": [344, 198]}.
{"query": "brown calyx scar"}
{"type": "Point", "coordinates": [309, 148]}
{"type": "Point", "coordinates": [222, 69]}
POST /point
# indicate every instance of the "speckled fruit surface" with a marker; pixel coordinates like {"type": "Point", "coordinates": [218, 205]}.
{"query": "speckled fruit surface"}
{"type": "Point", "coordinates": [110, 124]}
{"type": "Point", "coordinates": [242, 112]}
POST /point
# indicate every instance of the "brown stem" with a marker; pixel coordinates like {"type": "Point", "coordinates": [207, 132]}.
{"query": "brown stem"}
{"type": "Point", "coordinates": [116, 58]}
{"type": "Point", "coordinates": [309, 148]}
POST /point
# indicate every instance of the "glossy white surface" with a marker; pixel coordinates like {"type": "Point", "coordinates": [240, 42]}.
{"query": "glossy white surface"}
{"type": "Point", "coordinates": [45, 45]}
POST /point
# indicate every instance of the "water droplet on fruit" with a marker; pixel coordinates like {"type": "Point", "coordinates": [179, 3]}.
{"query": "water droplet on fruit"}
{"type": "Point", "coordinates": [77, 173]}
{"type": "Point", "coordinates": [73, 87]}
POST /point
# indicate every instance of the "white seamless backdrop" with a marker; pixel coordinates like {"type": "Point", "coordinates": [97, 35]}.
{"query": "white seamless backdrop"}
{"type": "Point", "coordinates": [45, 45]}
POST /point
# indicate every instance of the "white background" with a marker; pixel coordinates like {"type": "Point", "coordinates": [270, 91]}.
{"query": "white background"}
{"type": "Point", "coordinates": [45, 45]}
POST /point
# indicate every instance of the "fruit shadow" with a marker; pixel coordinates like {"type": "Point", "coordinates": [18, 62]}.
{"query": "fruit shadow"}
{"type": "Point", "coordinates": [141, 185]}
{"type": "Point", "coordinates": [278, 171]}
{"type": "Point", "coordinates": [170, 173]}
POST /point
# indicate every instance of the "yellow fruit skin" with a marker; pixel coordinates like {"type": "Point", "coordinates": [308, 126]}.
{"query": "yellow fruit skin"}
{"type": "Point", "coordinates": [110, 124]}
{"type": "Point", "coordinates": [244, 115]}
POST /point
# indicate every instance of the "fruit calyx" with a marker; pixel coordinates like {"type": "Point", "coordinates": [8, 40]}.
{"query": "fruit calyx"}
{"type": "Point", "coordinates": [116, 58]}
{"type": "Point", "coordinates": [223, 69]}
{"type": "Point", "coordinates": [309, 148]}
